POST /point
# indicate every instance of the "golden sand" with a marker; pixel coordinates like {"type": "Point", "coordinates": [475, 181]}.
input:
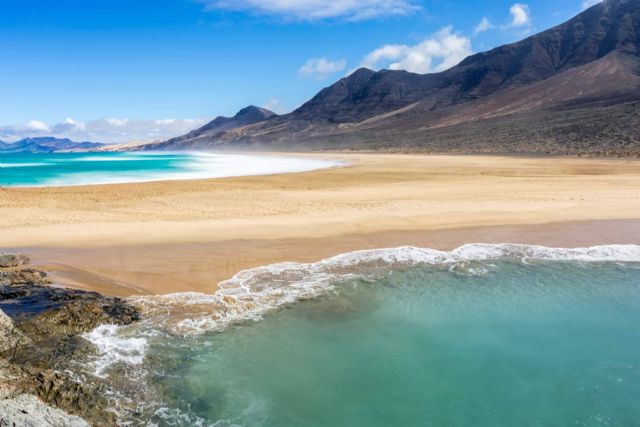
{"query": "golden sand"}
{"type": "Point", "coordinates": [188, 235]}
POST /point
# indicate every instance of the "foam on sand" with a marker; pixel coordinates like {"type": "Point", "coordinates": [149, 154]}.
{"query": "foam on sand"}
{"type": "Point", "coordinates": [252, 293]}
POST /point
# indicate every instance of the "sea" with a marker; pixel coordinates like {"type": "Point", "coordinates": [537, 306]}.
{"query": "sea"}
{"type": "Point", "coordinates": [484, 335]}
{"type": "Point", "coordinates": [68, 169]}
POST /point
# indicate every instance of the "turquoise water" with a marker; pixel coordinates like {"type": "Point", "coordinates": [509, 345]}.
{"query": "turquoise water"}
{"type": "Point", "coordinates": [63, 169]}
{"type": "Point", "coordinates": [488, 343]}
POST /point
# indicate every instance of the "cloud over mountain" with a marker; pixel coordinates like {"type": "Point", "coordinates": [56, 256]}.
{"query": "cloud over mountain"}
{"type": "Point", "coordinates": [321, 68]}
{"type": "Point", "coordinates": [443, 50]}
{"type": "Point", "coordinates": [520, 15]}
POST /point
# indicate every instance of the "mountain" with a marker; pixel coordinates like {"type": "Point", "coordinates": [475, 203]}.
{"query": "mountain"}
{"type": "Point", "coordinates": [46, 144]}
{"type": "Point", "coordinates": [201, 138]}
{"type": "Point", "coordinates": [573, 89]}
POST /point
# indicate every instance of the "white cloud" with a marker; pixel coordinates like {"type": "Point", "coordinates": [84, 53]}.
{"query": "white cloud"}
{"type": "Point", "coordinates": [68, 125]}
{"type": "Point", "coordinates": [117, 122]}
{"type": "Point", "coordinates": [586, 4]}
{"type": "Point", "coordinates": [443, 50]}
{"type": "Point", "coordinates": [321, 68]}
{"type": "Point", "coordinates": [37, 126]}
{"type": "Point", "coordinates": [111, 130]}
{"type": "Point", "coordinates": [165, 122]}
{"type": "Point", "coordinates": [520, 15]}
{"type": "Point", "coordinates": [315, 10]}
{"type": "Point", "coordinates": [483, 25]}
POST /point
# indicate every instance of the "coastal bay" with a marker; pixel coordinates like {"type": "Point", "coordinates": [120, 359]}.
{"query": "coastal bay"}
{"type": "Point", "coordinates": [331, 213]}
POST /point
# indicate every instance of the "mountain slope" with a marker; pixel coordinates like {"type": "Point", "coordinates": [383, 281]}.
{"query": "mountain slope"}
{"type": "Point", "coordinates": [200, 137]}
{"type": "Point", "coordinates": [582, 68]}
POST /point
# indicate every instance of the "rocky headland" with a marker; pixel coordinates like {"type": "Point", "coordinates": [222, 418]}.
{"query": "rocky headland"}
{"type": "Point", "coordinates": [41, 349]}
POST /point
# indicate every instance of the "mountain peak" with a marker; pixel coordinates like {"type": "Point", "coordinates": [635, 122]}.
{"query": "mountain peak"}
{"type": "Point", "coordinates": [207, 134]}
{"type": "Point", "coordinates": [362, 72]}
{"type": "Point", "coordinates": [252, 110]}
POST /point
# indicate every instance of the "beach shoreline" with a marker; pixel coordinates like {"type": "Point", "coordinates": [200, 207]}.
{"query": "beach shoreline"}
{"type": "Point", "coordinates": [183, 236]}
{"type": "Point", "coordinates": [173, 268]}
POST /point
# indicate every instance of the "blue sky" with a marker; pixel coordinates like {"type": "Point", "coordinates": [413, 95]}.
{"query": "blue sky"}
{"type": "Point", "coordinates": [118, 70]}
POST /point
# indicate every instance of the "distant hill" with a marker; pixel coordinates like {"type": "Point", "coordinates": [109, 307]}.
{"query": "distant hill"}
{"type": "Point", "coordinates": [46, 144]}
{"type": "Point", "coordinates": [201, 138]}
{"type": "Point", "coordinates": [573, 89]}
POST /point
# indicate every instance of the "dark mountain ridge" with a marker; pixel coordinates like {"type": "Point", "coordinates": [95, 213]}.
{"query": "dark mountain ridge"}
{"type": "Point", "coordinates": [610, 26]}
{"type": "Point", "coordinates": [590, 62]}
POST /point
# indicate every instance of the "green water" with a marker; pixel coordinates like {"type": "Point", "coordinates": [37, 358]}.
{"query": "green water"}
{"type": "Point", "coordinates": [27, 169]}
{"type": "Point", "coordinates": [549, 344]}
{"type": "Point", "coordinates": [63, 169]}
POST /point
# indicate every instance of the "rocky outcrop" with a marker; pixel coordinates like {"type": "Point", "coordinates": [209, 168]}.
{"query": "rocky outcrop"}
{"type": "Point", "coordinates": [41, 344]}
{"type": "Point", "coordinates": [28, 411]}
{"type": "Point", "coordinates": [10, 337]}
{"type": "Point", "coordinates": [12, 260]}
{"type": "Point", "coordinates": [23, 277]}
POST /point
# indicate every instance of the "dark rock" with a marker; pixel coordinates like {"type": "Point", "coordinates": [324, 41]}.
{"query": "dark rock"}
{"type": "Point", "coordinates": [42, 345]}
{"type": "Point", "coordinates": [81, 399]}
{"type": "Point", "coordinates": [81, 315]}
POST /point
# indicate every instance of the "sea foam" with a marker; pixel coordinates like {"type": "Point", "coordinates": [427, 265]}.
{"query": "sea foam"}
{"type": "Point", "coordinates": [252, 293]}
{"type": "Point", "coordinates": [114, 348]}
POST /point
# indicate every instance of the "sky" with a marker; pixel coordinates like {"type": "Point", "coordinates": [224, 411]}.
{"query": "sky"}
{"type": "Point", "coordinates": [124, 70]}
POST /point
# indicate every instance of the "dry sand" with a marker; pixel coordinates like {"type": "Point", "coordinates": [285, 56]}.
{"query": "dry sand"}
{"type": "Point", "coordinates": [189, 235]}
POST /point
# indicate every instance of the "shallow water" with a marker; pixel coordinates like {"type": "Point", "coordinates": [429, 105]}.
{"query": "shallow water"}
{"type": "Point", "coordinates": [64, 169]}
{"type": "Point", "coordinates": [479, 343]}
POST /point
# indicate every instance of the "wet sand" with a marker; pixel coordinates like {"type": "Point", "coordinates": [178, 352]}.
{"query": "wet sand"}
{"type": "Point", "coordinates": [178, 236]}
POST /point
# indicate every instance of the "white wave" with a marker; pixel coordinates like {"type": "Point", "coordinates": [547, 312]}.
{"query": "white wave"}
{"type": "Point", "coordinates": [252, 293]}
{"type": "Point", "coordinates": [21, 165]}
{"type": "Point", "coordinates": [188, 166]}
{"type": "Point", "coordinates": [109, 159]}
{"type": "Point", "coordinates": [114, 347]}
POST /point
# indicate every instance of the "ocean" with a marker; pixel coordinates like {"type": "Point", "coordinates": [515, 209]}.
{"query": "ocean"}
{"type": "Point", "coordinates": [485, 335]}
{"type": "Point", "coordinates": [66, 169]}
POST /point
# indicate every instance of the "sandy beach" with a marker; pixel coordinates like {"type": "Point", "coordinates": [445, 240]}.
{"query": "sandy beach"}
{"type": "Point", "coordinates": [163, 237]}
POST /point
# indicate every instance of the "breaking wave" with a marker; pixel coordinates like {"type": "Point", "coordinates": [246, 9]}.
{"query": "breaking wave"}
{"type": "Point", "coordinates": [251, 294]}
{"type": "Point", "coordinates": [115, 348]}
